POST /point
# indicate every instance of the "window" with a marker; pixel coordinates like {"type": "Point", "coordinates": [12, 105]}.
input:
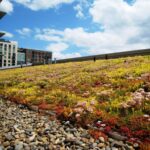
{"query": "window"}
{"type": "Point", "coordinates": [14, 49]}
{"type": "Point", "coordinates": [9, 55]}
{"type": "Point", "coordinates": [1, 48]}
{"type": "Point", "coordinates": [5, 47]}
{"type": "Point", "coordinates": [9, 49]}
{"type": "Point", "coordinates": [4, 62]}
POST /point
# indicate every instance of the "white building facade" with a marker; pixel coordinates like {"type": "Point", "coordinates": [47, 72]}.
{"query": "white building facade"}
{"type": "Point", "coordinates": [8, 53]}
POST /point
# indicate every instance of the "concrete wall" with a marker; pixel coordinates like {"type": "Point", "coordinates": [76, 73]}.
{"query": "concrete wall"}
{"type": "Point", "coordinates": [107, 56]}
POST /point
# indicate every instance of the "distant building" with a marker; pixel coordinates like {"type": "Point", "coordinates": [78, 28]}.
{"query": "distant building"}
{"type": "Point", "coordinates": [8, 53]}
{"type": "Point", "coordinates": [32, 56]}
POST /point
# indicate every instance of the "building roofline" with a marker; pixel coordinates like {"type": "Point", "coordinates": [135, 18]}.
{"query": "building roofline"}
{"type": "Point", "coordinates": [2, 14]}
{"type": "Point", "coordinates": [117, 54]}
{"type": "Point", "coordinates": [2, 34]}
{"type": "Point", "coordinates": [34, 50]}
{"type": "Point", "coordinates": [3, 40]}
{"type": "Point", "coordinates": [7, 41]}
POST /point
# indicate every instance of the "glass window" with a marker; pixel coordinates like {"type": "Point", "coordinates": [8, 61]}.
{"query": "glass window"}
{"type": "Point", "coordinates": [5, 47]}
{"type": "Point", "coordinates": [9, 48]}
{"type": "Point", "coordinates": [9, 55]}
{"type": "Point", "coordinates": [1, 47]}
{"type": "Point", "coordinates": [14, 49]}
{"type": "Point", "coordinates": [4, 62]}
{"type": "Point", "coordinates": [21, 57]}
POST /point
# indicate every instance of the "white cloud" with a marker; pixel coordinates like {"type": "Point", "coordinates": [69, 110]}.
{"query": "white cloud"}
{"type": "Point", "coordinates": [130, 23]}
{"type": "Point", "coordinates": [6, 6]}
{"type": "Point", "coordinates": [49, 35]}
{"type": "Point", "coordinates": [58, 50]}
{"type": "Point", "coordinates": [64, 56]}
{"type": "Point", "coordinates": [42, 4]}
{"type": "Point", "coordinates": [79, 10]}
{"type": "Point", "coordinates": [126, 27]}
{"type": "Point", "coordinates": [8, 35]}
{"type": "Point", "coordinates": [57, 47]}
{"type": "Point", "coordinates": [24, 31]}
{"type": "Point", "coordinates": [81, 7]}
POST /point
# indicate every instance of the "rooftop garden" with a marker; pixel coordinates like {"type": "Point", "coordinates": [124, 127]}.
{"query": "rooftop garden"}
{"type": "Point", "coordinates": [110, 94]}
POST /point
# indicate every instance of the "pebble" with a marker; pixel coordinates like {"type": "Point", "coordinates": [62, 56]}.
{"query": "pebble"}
{"type": "Point", "coordinates": [117, 144]}
{"type": "Point", "coordinates": [107, 148]}
{"type": "Point", "coordinates": [101, 145]}
{"type": "Point", "coordinates": [114, 148]}
{"type": "Point", "coordinates": [91, 140]}
{"type": "Point", "coordinates": [111, 140]}
{"type": "Point", "coordinates": [5, 144]}
{"type": "Point", "coordinates": [19, 146]}
{"type": "Point", "coordinates": [1, 147]}
{"type": "Point", "coordinates": [9, 137]}
{"type": "Point", "coordinates": [94, 145]}
{"type": "Point", "coordinates": [24, 129]}
{"type": "Point", "coordinates": [102, 139]}
{"type": "Point", "coordinates": [135, 145]}
{"type": "Point", "coordinates": [117, 136]}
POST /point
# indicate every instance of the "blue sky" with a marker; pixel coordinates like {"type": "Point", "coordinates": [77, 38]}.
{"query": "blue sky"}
{"type": "Point", "coordinates": [73, 28]}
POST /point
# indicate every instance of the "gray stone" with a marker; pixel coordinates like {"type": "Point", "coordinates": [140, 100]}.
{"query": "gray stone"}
{"type": "Point", "coordinates": [9, 137]}
{"type": "Point", "coordinates": [94, 145]}
{"type": "Point", "coordinates": [117, 144]}
{"type": "Point", "coordinates": [5, 144]}
{"type": "Point", "coordinates": [135, 145]}
{"type": "Point", "coordinates": [10, 148]}
{"type": "Point", "coordinates": [33, 108]}
{"type": "Point", "coordinates": [19, 146]}
{"type": "Point", "coordinates": [1, 147]}
{"type": "Point", "coordinates": [67, 123]}
{"type": "Point", "coordinates": [101, 145]}
{"type": "Point", "coordinates": [114, 148]}
{"type": "Point", "coordinates": [32, 137]}
{"type": "Point", "coordinates": [71, 130]}
{"type": "Point", "coordinates": [107, 148]}
{"type": "Point", "coordinates": [80, 143]}
{"type": "Point", "coordinates": [110, 140]}
{"type": "Point", "coordinates": [127, 147]}
{"type": "Point", "coordinates": [117, 136]}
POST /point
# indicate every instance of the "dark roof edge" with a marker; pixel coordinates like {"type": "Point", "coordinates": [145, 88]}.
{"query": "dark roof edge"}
{"type": "Point", "coordinates": [130, 52]}
{"type": "Point", "coordinates": [34, 50]}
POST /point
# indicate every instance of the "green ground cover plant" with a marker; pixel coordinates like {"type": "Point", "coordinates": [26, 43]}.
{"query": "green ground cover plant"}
{"type": "Point", "coordinates": [114, 91]}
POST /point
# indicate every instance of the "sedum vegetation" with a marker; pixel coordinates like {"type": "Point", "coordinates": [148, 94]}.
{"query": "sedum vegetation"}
{"type": "Point", "coordinates": [115, 91]}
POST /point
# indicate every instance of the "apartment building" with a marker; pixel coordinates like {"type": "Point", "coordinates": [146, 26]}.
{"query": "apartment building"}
{"type": "Point", "coordinates": [8, 50]}
{"type": "Point", "coordinates": [8, 53]}
{"type": "Point", "coordinates": [33, 56]}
